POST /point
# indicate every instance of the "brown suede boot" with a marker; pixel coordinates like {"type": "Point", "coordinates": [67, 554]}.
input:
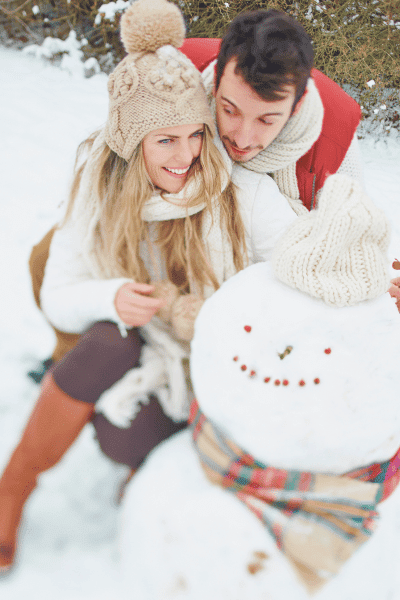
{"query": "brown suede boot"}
{"type": "Point", "coordinates": [54, 424]}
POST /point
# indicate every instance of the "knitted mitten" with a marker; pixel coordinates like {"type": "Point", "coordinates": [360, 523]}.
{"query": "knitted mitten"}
{"type": "Point", "coordinates": [180, 311]}
{"type": "Point", "coordinates": [184, 313]}
{"type": "Point", "coordinates": [168, 292]}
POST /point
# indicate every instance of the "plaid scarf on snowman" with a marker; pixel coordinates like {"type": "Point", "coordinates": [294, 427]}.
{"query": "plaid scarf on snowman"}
{"type": "Point", "coordinates": [317, 520]}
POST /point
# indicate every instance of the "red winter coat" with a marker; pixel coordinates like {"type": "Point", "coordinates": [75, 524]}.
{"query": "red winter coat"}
{"type": "Point", "coordinates": [341, 117]}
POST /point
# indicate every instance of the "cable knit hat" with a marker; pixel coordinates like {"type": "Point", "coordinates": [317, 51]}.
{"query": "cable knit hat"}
{"type": "Point", "coordinates": [337, 252]}
{"type": "Point", "coordinates": [154, 86]}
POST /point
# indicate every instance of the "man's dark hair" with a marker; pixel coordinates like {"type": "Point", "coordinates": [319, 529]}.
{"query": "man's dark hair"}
{"type": "Point", "coordinates": [272, 50]}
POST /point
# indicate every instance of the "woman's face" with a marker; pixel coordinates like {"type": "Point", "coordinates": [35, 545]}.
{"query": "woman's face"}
{"type": "Point", "coordinates": [170, 152]}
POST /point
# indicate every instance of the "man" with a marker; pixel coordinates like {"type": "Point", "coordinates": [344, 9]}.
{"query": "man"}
{"type": "Point", "coordinates": [271, 115]}
{"type": "Point", "coordinates": [275, 113]}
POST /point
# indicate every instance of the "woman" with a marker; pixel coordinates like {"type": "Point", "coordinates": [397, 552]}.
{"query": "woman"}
{"type": "Point", "coordinates": [151, 202]}
{"type": "Point", "coordinates": [149, 197]}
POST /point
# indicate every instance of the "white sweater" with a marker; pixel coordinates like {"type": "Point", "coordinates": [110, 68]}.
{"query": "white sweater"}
{"type": "Point", "coordinates": [73, 298]}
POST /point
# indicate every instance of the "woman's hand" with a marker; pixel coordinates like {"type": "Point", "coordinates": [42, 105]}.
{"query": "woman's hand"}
{"type": "Point", "coordinates": [134, 305]}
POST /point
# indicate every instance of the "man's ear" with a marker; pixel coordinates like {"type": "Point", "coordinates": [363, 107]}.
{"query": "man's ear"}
{"type": "Point", "coordinates": [299, 104]}
{"type": "Point", "coordinates": [214, 90]}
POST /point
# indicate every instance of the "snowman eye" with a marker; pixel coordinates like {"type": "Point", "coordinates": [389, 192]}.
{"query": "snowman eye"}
{"type": "Point", "coordinates": [286, 351]}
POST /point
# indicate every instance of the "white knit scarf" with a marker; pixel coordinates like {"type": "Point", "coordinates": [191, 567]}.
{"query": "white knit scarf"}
{"type": "Point", "coordinates": [216, 239]}
{"type": "Point", "coordinates": [297, 137]}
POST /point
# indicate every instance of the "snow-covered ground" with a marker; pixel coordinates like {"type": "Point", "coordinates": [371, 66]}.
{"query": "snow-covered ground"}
{"type": "Point", "coordinates": [69, 545]}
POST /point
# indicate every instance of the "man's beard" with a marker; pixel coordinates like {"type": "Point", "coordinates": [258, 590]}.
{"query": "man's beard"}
{"type": "Point", "coordinates": [240, 154]}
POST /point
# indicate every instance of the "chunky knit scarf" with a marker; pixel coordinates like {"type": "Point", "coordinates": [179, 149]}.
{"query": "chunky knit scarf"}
{"type": "Point", "coordinates": [295, 139]}
{"type": "Point", "coordinates": [338, 251]}
{"type": "Point", "coordinates": [317, 520]}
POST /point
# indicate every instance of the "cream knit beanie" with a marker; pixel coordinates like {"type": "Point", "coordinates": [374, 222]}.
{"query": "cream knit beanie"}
{"type": "Point", "coordinates": [154, 86]}
{"type": "Point", "coordinates": [338, 251]}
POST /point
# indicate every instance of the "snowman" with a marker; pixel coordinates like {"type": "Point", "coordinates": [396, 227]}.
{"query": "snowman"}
{"type": "Point", "coordinates": [285, 486]}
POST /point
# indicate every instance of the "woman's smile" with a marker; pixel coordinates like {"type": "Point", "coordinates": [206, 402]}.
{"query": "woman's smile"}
{"type": "Point", "coordinates": [178, 172]}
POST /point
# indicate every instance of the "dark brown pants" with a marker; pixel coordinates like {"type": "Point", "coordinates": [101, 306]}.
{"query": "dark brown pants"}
{"type": "Point", "coordinates": [86, 365]}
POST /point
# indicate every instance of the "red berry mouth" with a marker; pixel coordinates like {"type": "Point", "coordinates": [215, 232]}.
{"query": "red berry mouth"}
{"type": "Point", "coordinates": [277, 382]}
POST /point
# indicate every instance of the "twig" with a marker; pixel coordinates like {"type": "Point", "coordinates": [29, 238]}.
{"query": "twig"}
{"type": "Point", "coordinates": [11, 12]}
{"type": "Point", "coordinates": [24, 25]}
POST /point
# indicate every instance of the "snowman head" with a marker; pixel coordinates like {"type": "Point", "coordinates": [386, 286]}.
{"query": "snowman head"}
{"type": "Point", "coordinates": [288, 373]}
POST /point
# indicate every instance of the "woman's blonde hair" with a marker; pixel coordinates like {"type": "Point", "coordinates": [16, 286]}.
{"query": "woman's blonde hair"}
{"type": "Point", "coordinates": [119, 191]}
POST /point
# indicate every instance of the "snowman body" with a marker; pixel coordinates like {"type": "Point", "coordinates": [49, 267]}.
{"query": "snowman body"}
{"type": "Point", "coordinates": [299, 385]}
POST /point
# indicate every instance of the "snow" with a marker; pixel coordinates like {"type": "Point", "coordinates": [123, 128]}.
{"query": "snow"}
{"type": "Point", "coordinates": [108, 11]}
{"type": "Point", "coordinates": [69, 543]}
{"type": "Point", "coordinates": [70, 50]}
{"type": "Point", "coordinates": [195, 541]}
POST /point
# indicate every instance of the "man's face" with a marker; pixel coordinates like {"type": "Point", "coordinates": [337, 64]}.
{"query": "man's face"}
{"type": "Point", "coordinates": [246, 123]}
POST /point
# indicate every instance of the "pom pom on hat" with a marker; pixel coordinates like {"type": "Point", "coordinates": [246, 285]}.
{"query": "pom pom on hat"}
{"type": "Point", "coordinates": [149, 24]}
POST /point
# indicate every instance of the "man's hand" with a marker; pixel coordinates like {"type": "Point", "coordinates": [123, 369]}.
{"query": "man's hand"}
{"type": "Point", "coordinates": [134, 305]}
{"type": "Point", "coordinates": [394, 291]}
